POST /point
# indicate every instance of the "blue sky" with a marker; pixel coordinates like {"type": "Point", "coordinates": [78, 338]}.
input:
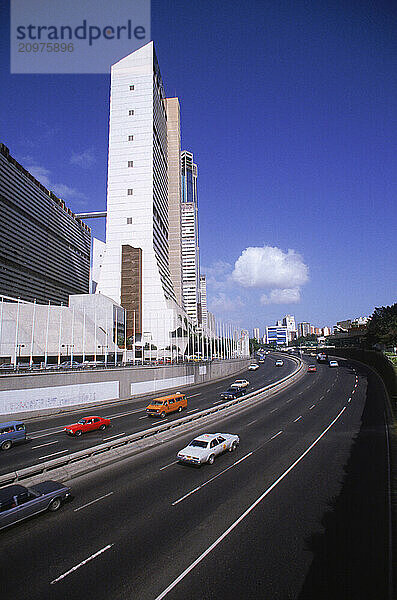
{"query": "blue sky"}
{"type": "Point", "coordinates": [290, 111]}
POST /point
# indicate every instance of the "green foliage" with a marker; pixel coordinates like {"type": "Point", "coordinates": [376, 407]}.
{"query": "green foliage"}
{"type": "Point", "coordinates": [306, 340]}
{"type": "Point", "coordinates": [254, 345]}
{"type": "Point", "coordinates": [382, 326]}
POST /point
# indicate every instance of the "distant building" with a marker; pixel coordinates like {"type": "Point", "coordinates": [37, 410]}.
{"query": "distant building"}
{"type": "Point", "coordinates": [190, 238]}
{"type": "Point", "coordinates": [203, 296]}
{"type": "Point", "coordinates": [277, 334]}
{"type": "Point", "coordinates": [44, 248]}
{"type": "Point", "coordinates": [289, 323]}
{"type": "Point", "coordinates": [326, 331]}
{"type": "Point", "coordinates": [304, 329]}
{"type": "Point", "coordinates": [256, 334]}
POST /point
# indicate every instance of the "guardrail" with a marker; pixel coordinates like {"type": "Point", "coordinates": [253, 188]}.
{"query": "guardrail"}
{"type": "Point", "coordinates": [64, 461]}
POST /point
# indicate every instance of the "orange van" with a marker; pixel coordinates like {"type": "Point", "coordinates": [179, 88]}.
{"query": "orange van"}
{"type": "Point", "coordinates": [160, 407]}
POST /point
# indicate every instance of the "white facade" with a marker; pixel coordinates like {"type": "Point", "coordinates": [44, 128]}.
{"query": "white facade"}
{"type": "Point", "coordinates": [203, 297]}
{"type": "Point", "coordinates": [256, 333]}
{"type": "Point", "coordinates": [137, 195]}
{"type": "Point", "coordinates": [87, 326]}
{"type": "Point", "coordinates": [190, 237]}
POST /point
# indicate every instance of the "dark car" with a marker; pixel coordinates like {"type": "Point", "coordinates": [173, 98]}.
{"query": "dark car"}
{"type": "Point", "coordinates": [18, 502]}
{"type": "Point", "coordinates": [232, 393]}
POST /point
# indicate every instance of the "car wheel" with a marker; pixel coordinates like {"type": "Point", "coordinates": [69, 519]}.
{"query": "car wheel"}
{"type": "Point", "coordinates": [162, 415]}
{"type": "Point", "coordinates": [233, 447]}
{"type": "Point", "coordinates": [102, 427]}
{"type": "Point", "coordinates": [6, 445]}
{"type": "Point", "coordinates": [180, 409]}
{"type": "Point", "coordinates": [78, 433]}
{"type": "Point", "coordinates": [211, 459]}
{"type": "Point", "coordinates": [55, 504]}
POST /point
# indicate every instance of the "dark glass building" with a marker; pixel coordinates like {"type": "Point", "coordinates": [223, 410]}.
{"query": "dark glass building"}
{"type": "Point", "coordinates": [44, 247]}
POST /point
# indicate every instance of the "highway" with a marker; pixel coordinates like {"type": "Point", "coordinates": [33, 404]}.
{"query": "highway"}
{"type": "Point", "coordinates": [48, 440]}
{"type": "Point", "coordinates": [299, 511]}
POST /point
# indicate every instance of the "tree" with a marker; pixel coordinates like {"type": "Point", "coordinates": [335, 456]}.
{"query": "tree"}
{"type": "Point", "coordinates": [254, 345]}
{"type": "Point", "coordinates": [306, 340]}
{"type": "Point", "coordinates": [382, 326]}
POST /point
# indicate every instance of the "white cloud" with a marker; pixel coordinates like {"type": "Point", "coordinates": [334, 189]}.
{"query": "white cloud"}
{"type": "Point", "coordinates": [83, 159]}
{"type": "Point", "coordinates": [283, 296]}
{"type": "Point", "coordinates": [43, 175]}
{"type": "Point", "coordinates": [66, 192]}
{"type": "Point", "coordinates": [270, 267]}
{"type": "Point", "coordinates": [223, 303]}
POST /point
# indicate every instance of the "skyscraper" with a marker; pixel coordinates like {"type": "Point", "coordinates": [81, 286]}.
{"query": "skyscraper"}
{"type": "Point", "coordinates": [190, 243]}
{"type": "Point", "coordinates": [256, 333]}
{"type": "Point", "coordinates": [203, 300]}
{"type": "Point", "coordinates": [136, 264]}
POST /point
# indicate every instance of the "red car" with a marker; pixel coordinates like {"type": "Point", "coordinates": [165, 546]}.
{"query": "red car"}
{"type": "Point", "coordinates": [311, 369]}
{"type": "Point", "coordinates": [87, 424]}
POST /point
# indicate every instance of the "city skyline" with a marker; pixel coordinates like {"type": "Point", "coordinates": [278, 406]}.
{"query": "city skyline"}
{"type": "Point", "coordinates": [323, 190]}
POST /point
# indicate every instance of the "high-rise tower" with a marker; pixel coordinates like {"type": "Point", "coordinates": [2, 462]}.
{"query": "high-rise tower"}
{"type": "Point", "coordinates": [135, 267]}
{"type": "Point", "coordinates": [190, 241]}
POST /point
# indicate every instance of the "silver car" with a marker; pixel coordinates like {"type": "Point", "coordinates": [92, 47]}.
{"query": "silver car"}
{"type": "Point", "coordinates": [18, 502]}
{"type": "Point", "coordinates": [205, 447]}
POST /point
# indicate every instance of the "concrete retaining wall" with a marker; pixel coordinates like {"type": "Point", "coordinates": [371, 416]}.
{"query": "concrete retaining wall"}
{"type": "Point", "coordinates": [23, 396]}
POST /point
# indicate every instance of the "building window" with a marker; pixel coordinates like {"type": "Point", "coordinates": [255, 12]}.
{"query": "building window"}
{"type": "Point", "coordinates": [132, 87]}
{"type": "Point", "coordinates": [130, 163]}
{"type": "Point", "coordinates": [130, 112]}
{"type": "Point", "coordinates": [130, 138]}
{"type": "Point", "coordinates": [129, 191]}
{"type": "Point", "coordinates": [129, 220]}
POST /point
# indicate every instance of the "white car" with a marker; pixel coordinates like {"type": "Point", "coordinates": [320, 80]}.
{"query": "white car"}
{"type": "Point", "coordinates": [333, 363]}
{"type": "Point", "coordinates": [205, 447]}
{"type": "Point", "coordinates": [253, 367]}
{"type": "Point", "coordinates": [242, 383]}
{"type": "Point", "coordinates": [279, 363]}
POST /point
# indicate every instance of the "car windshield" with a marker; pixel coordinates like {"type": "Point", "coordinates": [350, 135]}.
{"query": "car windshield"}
{"type": "Point", "coordinates": [157, 402]}
{"type": "Point", "coordinates": [81, 422]}
{"type": "Point", "coordinates": [199, 444]}
{"type": "Point", "coordinates": [230, 391]}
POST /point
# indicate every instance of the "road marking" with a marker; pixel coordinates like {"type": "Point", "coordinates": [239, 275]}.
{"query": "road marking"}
{"type": "Point", "coordinates": [193, 410]}
{"type": "Point", "coordinates": [131, 412]}
{"type": "Point", "coordinates": [350, 399]}
{"type": "Point", "coordinates": [157, 422]}
{"type": "Point", "coordinates": [84, 562]}
{"type": "Point", "coordinates": [312, 406]}
{"type": "Point", "coordinates": [276, 434]}
{"type": "Point", "coordinates": [144, 417]}
{"type": "Point", "coordinates": [322, 397]}
{"type": "Point", "coordinates": [93, 501]}
{"type": "Point", "coordinates": [274, 410]}
{"type": "Point", "coordinates": [328, 390]}
{"type": "Point", "coordinates": [290, 400]}
{"type": "Point", "coordinates": [300, 416]}
{"type": "Point", "coordinates": [245, 514]}
{"type": "Point", "coordinates": [217, 402]}
{"type": "Point", "coordinates": [212, 479]}
{"type": "Point", "coordinates": [34, 437]}
{"type": "Point", "coordinates": [47, 444]}
{"type": "Point", "coordinates": [166, 466]}
{"type": "Point", "coordinates": [114, 436]}
{"type": "Point", "coordinates": [353, 391]}
{"type": "Point", "coordinates": [251, 422]}
{"type": "Point", "coordinates": [300, 393]}
{"type": "Point", "coordinates": [54, 454]}
{"type": "Point", "coordinates": [193, 395]}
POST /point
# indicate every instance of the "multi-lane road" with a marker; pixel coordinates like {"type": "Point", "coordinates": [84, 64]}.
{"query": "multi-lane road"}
{"type": "Point", "coordinates": [301, 510]}
{"type": "Point", "coordinates": [48, 440]}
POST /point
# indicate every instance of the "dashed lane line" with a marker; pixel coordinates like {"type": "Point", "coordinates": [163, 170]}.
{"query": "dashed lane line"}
{"type": "Point", "coordinates": [54, 454]}
{"type": "Point", "coordinates": [300, 416]}
{"type": "Point", "coordinates": [276, 434]}
{"type": "Point", "coordinates": [114, 436]}
{"type": "Point", "coordinates": [169, 465]}
{"type": "Point", "coordinates": [46, 444]}
{"type": "Point", "coordinates": [246, 512]}
{"type": "Point", "coordinates": [84, 562]}
{"type": "Point", "coordinates": [93, 501]}
{"type": "Point", "coordinates": [312, 406]}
